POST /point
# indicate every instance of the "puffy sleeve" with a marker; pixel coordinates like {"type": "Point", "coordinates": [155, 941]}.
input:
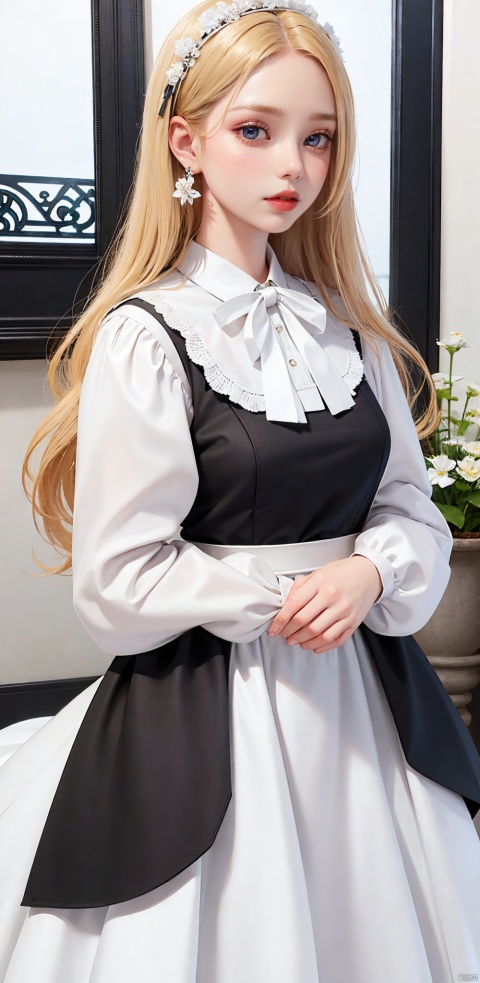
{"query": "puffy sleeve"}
{"type": "Point", "coordinates": [405, 534]}
{"type": "Point", "coordinates": [135, 587]}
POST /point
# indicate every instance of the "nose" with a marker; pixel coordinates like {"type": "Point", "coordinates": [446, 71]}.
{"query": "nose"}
{"type": "Point", "coordinates": [290, 160]}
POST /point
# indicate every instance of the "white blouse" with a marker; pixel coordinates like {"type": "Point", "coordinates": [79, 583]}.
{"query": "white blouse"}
{"type": "Point", "coordinates": [136, 584]}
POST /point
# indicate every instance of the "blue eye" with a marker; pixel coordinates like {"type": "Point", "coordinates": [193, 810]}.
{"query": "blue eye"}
{"type": "Point", "coordinates": [250, 136]}
{"type": "Point", "coordinates": [317, 136]}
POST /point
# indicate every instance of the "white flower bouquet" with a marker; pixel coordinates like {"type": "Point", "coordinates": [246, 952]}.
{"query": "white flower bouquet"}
{"type": "Point", "coordinates": [453, 451]}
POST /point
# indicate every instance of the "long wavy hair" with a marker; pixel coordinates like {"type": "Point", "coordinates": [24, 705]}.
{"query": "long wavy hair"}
{"type": "Point", "coordinates": [324, 244]}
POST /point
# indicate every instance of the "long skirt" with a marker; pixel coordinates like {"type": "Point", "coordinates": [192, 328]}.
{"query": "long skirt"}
{"type": "Point", "coordinates": [336, 860]}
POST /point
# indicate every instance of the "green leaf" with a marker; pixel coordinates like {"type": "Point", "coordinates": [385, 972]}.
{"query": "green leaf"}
{"type": "Point", "coordinates": [474, 499]}
{"type": "Point", "coordinates": [453, 515]}
{"type": "Point", "coordinates": [463, 486]}
{"type": "Point", "coordinates": [473, 523]}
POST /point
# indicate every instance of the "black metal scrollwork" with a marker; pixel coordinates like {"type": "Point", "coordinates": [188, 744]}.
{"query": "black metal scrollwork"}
{"type": "Point", "coordinates": [64, 209]}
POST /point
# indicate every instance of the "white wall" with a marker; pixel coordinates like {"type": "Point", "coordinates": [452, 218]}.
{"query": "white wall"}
{"type": "Point", "coordinates": [40, 637]}
{"type": "Point", "coordinates": [459, 307]}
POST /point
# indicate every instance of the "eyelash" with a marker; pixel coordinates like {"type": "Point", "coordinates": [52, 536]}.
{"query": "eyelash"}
{"type": "Point", "coordinates": [260, 126]}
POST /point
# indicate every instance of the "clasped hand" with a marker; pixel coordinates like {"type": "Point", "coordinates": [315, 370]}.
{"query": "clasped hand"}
{"type": "Point", "coordinates": [325, 607]}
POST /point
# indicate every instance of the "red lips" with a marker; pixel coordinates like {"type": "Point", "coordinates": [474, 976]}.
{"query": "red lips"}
{"type": "Point", "coordinates": [285, 196]}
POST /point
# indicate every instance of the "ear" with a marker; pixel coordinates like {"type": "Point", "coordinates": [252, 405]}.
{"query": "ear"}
{"type": "Point", "coordinates": [182, 142]}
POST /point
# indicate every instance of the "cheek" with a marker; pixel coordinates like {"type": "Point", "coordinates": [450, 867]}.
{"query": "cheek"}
{"type": "Point", "coordinates": [234, 164]}
{"type": "Point", "coordinates": [320, 165]}
{"type": "Point", "coordinates": [317, 171]}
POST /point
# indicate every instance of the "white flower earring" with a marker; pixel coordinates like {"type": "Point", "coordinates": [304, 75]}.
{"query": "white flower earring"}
{"type": "Point", "coordinates": [184, 188]}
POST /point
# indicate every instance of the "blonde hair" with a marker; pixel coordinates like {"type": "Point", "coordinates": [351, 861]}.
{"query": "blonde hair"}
{"type": "Point", "coordinates": [322, 246]}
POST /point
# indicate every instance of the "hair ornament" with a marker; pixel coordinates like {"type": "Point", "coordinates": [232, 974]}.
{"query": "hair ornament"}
{"type": "Point", "coordinates": [333, 38]}
{"type": "Point", "coordinates": [217, 17]}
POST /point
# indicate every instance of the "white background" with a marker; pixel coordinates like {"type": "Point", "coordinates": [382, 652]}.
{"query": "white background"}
{"type": "Point", "coordinates": [48, 112]}
{"type": "Point", "coordinates": [47, 101]}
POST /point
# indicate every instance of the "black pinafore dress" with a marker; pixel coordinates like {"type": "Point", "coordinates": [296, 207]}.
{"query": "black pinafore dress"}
{"type": "Point", "coordinates": [147, 783]}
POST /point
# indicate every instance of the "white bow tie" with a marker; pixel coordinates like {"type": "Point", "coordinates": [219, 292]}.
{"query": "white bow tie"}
{"type": "Point", "coordinates": [304, 317]}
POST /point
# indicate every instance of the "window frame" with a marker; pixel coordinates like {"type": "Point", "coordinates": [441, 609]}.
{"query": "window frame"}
{"type": "Point", "coordinates": [417, 58]}
{"type": "Point", "coordinates": [43, 285]}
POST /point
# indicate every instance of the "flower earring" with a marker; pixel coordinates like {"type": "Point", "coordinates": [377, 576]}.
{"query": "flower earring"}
{"type": "Point", "coordinates": [184, 188]}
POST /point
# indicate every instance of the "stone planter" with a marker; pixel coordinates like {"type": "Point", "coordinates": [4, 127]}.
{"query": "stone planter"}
{"type": "Point", "coordinates": [451, 639]}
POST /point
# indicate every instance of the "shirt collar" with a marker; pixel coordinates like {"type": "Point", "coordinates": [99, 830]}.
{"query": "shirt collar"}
{"type": "Point", "coordinates": [221, 278]}
{"type": "Point", "coordinates": [227, 320]}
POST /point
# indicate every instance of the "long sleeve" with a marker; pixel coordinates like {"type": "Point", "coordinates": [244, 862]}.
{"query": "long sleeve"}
{"type": "Point", "coordinates": [405, 534]}
{"type": "Point", "coordinates": [134, 586]}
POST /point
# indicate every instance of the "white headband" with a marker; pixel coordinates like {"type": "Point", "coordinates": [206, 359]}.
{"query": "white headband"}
{"type": "Point", "coordinates": [214, 19]}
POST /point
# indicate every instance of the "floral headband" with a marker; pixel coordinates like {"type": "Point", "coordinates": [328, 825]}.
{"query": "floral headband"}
{"type": "Point", "coordinates": [214, 19]}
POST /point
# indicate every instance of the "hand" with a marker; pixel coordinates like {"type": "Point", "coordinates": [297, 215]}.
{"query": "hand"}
{"type": "Point", "coordinates": [324, 608]}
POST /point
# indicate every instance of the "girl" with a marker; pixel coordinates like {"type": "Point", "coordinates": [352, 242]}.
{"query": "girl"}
{"type": "Point", "coordinates": [269, 783]}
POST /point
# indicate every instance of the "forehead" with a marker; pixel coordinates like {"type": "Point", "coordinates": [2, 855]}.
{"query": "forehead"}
{"type": "Point", "coordinates": [290, 81]}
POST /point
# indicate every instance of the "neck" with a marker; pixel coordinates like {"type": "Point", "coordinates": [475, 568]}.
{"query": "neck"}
{"type": "Point", "coordinates": [246, 250]}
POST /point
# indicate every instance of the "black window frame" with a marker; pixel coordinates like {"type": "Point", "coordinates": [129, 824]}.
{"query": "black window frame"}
{"type": "Point", "coordinates": [415, 237]}
{"type": "Point", "coordinates": [41, 283]}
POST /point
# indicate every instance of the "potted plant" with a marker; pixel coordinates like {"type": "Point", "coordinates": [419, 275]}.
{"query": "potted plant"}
{"type": "Point", "coordinates": [451, 638]}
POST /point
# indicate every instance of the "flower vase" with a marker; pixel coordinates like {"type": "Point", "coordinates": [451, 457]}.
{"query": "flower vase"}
{"type": "Point", "coordinates": [451, 639]}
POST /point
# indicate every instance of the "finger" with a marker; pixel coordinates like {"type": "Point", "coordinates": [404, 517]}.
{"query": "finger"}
{"type": "Point", "coordinates": [329, 637]}
{"type": "Point", "coordinates": [294, 603]}
{"type": "Point", "coordinates": [315, 586]}
{"type": "Point", "coordinates": [309, 621]}
{"type": "Point", "coordinates": [337, 643]}
{"type": "Point", "coordinates": [295, 586]}
{"type": "Point", "coordinates": [318, 643]}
